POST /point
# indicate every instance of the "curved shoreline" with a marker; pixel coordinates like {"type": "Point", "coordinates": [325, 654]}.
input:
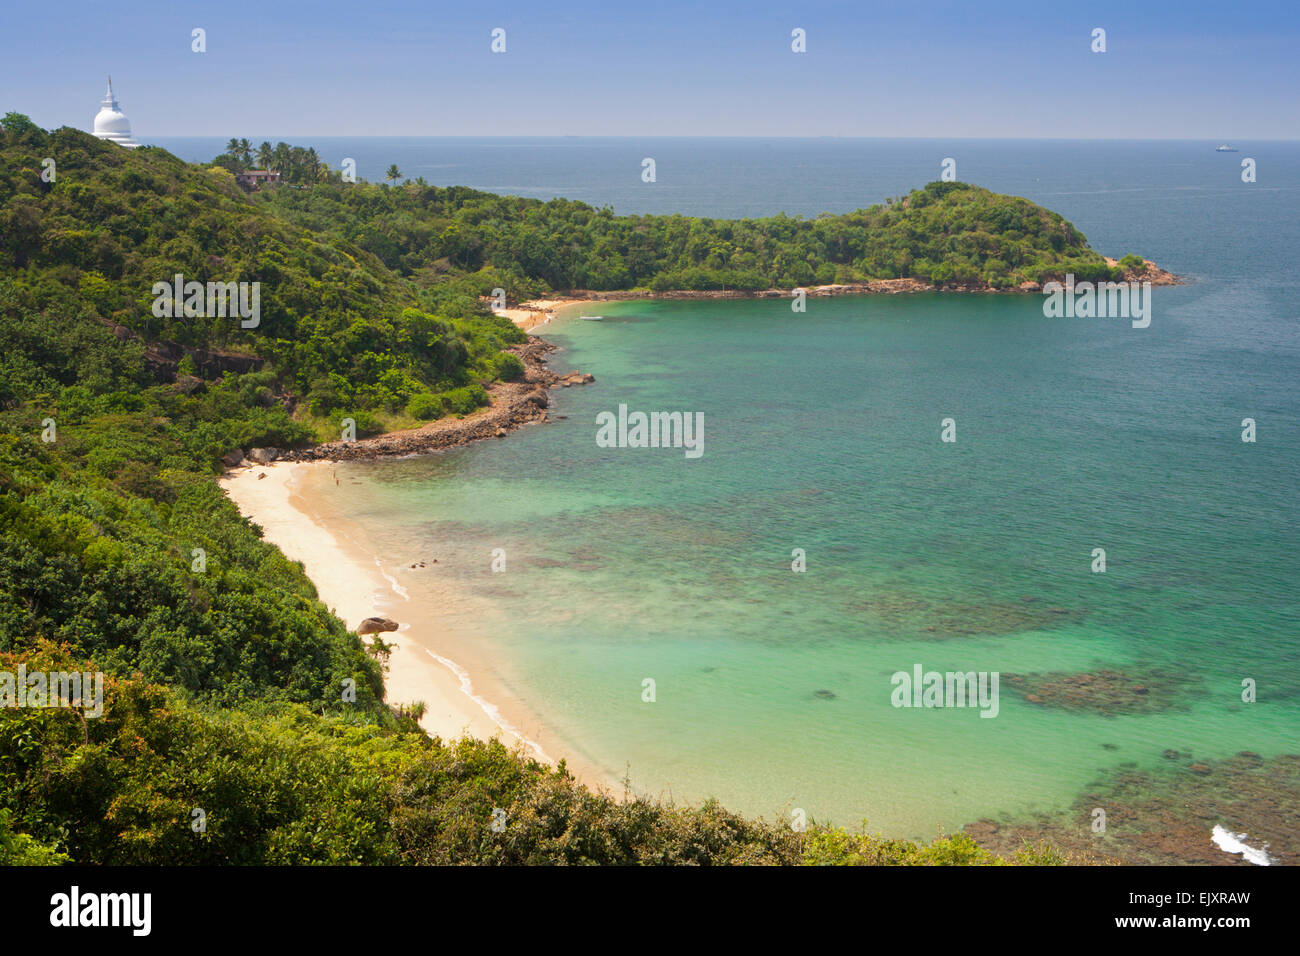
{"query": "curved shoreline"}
{"type": "Point", "coordinates": [515, 404]}
{"type": "Point", "coordinates": [353, 582]}
{"type": "Point", "coordinates": [512, 405]}
{"type": "Point", "coordinates": [1003, 833]}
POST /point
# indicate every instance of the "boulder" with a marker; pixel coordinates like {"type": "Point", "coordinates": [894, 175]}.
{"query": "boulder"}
{"type": "Point", "coordinates": [190, 384]}
{"type": "Point", "coordinates": [376, 625]}
{"type": "Point", "coordinates": [263, 455]}
{"type": "Point", "coordinates": [233, 458]}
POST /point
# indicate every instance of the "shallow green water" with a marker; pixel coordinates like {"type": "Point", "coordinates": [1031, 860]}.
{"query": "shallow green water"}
{"type": "Point", "coordinates": [822, 432]}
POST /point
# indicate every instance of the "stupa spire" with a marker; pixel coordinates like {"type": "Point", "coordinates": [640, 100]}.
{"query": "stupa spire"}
{"type": "Point", "coordinates": [110, 123]}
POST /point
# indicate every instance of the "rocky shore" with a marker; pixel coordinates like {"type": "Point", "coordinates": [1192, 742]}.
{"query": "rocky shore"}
{"type": "Point", "coordinates": [1150, 272]}
{"type": "Point", "coordinates": [513, 405]}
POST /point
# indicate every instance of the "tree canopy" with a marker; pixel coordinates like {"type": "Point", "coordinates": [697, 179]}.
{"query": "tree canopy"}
{"type": "Point", "coordinates": [225, 676]}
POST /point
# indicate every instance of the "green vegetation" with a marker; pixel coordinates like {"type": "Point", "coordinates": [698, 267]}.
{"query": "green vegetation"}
{"type": "Point", "coordinates": [950, 234]}
{"type": "Point", "coordinates": [294, 163]}
{"type": "Point", "coordinates": [837, 847]}
{"type": "Point", "coordinates": [281, 785]}
{"type": "Point", "coordinates": [231, 689]}
{"type": "Point", "coordinates": [337, 328]}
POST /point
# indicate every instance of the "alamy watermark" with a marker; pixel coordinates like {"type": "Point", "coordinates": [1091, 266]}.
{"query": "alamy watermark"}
{"type": "Point", "coordinates": [75, 908]}
{"type": "Point", "coordinates": [181, 299]}
{"type": "Point", "coordinates": [53, 689]}
{"type": "Point", "coordinates": [651, 430]}
{"type": "Point", "coordinates": [1100, 300]}
{"type": "Point", "coordinates": [946, 689]}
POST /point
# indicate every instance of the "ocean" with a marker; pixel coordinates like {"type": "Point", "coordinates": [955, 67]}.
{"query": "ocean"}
{"type": "Point", "coordinates": [773, 689]}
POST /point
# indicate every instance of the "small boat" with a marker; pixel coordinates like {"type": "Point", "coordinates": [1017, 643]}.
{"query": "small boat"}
{"type": "Point", "coordinates": [1225, 148]}
{"type": "Point", "coordinates": [592, 318]}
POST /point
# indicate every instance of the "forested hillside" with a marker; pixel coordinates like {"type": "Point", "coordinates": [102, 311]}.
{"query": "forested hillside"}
{"type": "Point", "coordinates": [228, 680]}
{"type": "Point", "coordinates": [949, 234]}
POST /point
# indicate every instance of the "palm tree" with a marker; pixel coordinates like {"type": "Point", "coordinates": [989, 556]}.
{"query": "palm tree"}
{"type": "Point", "coordinates": [282, 157]}
{"type": "Point", "coordinates": [246, 152]}
{"type": "Point", "coordinates": [393, 173]}
{"type": "Point", "coordinates": [233, 147]}
{"type": "Point", "coordinates": [414, 710]}
{"type": "Point", "coordinates": [264, 155]}
{"type": "Point", "coordinates": [313, 165]}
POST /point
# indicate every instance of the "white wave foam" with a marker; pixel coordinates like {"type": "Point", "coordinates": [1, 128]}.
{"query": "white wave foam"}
{"type": "Point", "coordinates": [489, 708]}
{"type": "Point", "coordinates": [392, 581]}
{"type": "Point", "coordinates": [1230, 842]}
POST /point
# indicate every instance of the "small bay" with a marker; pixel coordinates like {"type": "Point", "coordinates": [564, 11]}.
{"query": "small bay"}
{"type": "Point", "coordinates": [822, 433]}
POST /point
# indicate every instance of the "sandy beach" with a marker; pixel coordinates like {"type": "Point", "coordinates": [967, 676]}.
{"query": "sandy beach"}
{"type": "Point", "coordinates": [356, 589]}
{"type": "Point", "coordinates": [444, 669]}
{"type": "Point", "coordinates": [530, 315]}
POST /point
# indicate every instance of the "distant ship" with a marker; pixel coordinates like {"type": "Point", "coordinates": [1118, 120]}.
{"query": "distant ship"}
{"type": "Point", "coordinates": [1225, 148]}
{"type": "Point", "coordinates": [592, 318]}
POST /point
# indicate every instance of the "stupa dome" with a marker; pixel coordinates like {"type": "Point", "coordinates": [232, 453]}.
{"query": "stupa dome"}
{"type": "Point", "coordinates": [111, 123]}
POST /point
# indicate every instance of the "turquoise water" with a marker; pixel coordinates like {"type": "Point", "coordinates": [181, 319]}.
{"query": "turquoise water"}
{"type": "Point", "coordinates": [822, 432]}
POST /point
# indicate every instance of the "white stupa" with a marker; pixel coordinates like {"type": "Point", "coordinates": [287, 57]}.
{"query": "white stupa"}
{"type": "Point", "coordinates": [111, 123]}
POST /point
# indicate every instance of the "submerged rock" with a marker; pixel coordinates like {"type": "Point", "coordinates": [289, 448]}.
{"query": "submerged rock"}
{"type": "Point", "coordinates": [1106, 691]}
{"type": "Point", "coordinates": [1167, 815]}
{"type": "Point", "coordinates": [901, 610]}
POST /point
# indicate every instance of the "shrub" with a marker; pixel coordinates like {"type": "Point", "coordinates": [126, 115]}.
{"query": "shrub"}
{"type": "Point", "coordinates": [424, 406]}
{"type": "Point", "coordinates": [509, 367]}
{"type": "Point", "coordinates": [367, 424]}
{"type": "Point", "coordinates": [462, 401]}
{"type": "Point", "coordinates": [323, 397]}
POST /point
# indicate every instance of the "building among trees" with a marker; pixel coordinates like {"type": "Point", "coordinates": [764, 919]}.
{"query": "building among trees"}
{"type": "Point", "coordinates": [255, 178]}
{"type": "Point", "coordinates": [111, 123]}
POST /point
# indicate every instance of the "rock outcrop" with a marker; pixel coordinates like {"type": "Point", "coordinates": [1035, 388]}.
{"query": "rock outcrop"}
{"type": "Point", "coordinates": [514, 404]}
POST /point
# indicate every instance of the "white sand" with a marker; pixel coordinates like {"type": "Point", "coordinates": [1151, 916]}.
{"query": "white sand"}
{"type": "Point", "coordinates": [529, 315]}
{"type": "Point", "coordinates": [356, 591]}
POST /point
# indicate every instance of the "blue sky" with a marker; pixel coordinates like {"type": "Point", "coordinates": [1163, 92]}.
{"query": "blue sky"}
{"type": "Point", "coordinates": [1224, 70]}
